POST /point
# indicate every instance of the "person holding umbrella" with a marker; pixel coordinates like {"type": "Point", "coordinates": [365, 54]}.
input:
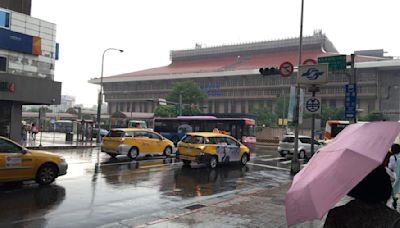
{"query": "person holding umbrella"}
{"type": "Point", "coordinates": [337, 168]}
{"type": "Point", "coordinates": [368, 209]}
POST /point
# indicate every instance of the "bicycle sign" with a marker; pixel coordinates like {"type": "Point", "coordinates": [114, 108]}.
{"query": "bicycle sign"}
{"type": "Point", "coordinates": [313, 105]}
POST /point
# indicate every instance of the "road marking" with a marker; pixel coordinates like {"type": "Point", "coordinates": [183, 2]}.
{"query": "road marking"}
{"type": "Point", "coordinates": [119, 163]}
{"type": "Point", "coordinates": [264, 156]}
{"type": "Point", "coordinates": [286, 162]}
{"type": "Point", "coordinates": [272, 159]}
{"type": "Point", "coordinates": [268, 166]}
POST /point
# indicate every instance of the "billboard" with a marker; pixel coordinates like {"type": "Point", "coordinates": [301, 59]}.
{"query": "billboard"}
{"type": "Point", "coordinates": [19, 42]}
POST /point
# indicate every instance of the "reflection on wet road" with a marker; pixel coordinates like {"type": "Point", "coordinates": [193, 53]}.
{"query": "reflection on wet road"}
{"type": "Point", "coordinates": [128, 190]}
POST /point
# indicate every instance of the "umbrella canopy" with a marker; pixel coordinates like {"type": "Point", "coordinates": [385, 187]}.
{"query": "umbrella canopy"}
{"type": "Point", "coordinates": [336, 168]}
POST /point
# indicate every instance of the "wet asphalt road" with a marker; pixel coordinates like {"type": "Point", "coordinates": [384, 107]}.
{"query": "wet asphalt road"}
{"type": "Point", "coordinates": [130, 190]}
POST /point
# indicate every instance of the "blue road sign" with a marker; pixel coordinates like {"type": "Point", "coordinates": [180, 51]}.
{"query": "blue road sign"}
{"type": "Point", "coordinates": [350, 101]}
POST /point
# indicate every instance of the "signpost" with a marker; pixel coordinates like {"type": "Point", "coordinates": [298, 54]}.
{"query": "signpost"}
{"type": "Point", "coordinates": [313, 105]}
{"type": "Point", "coordinates": [313, 74]}
{"type": "Point", "coordinates": [350, 101]}
{"type": "Point", "coordinates": [336, 62]}
{"type": "Point", "coordinates": [286, 69]}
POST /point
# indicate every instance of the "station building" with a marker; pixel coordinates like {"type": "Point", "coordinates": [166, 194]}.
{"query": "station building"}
{"type": "Point", "coordinates": [28, 51]}
{"type": "Point", "coordinates": [230, 75]}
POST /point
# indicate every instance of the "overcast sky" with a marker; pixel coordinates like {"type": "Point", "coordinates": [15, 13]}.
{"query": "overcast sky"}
{"type": "Point", "coordinates": [147, 30]}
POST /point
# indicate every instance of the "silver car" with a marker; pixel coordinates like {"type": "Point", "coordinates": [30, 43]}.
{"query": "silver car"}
{"type": "Point", "coordinates": [286, 146]}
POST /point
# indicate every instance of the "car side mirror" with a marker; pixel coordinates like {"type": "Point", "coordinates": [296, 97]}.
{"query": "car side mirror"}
{"type": "Point", "coordinates": [24, 151]}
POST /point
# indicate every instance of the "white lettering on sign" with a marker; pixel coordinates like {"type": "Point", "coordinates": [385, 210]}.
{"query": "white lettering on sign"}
{"type": "Point", "coordinates": [13, 161]}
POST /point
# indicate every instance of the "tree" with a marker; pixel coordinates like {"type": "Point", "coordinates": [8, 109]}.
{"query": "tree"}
{"type": "Point", "coordinates": [166, 111]}
{"type": "Point", "coordinates": [191, 95]}
{"type": "Point", "coordinates": [373, 116]}
{"type": "Point", "coordinates": [266, 117]}
{"type": "Point", "coordinates": [331, 113]}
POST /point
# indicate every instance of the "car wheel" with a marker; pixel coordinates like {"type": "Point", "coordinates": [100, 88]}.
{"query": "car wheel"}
{"type": "Point", "coordinates": [46, 174]}
{"type": "Point", "coordinates": [133, 153]}
{"type": "Point", "coordinates": [244, 159]}
{"type": "Point", "coordinates": [112, 155]}
{"type": "Point", "coordinates": [213, 162]}
{"type": "Point", "coordinates": [186, 163]}
{"type": "Point", "coordinates": [302, 154]}
{"type": "Point", "coordinates": [167, 151]}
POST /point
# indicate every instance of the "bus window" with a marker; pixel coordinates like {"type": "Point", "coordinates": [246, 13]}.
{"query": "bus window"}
{"type": "Point", "coordinates": [137, 124]}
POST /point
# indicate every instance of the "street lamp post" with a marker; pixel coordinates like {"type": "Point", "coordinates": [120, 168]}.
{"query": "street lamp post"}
{"type": "Point", "coordinates": [100, 98]}
{"type": "Point", "coordinates": [295, 164]}
{"type": "Point", "coordinates": [100, 101]}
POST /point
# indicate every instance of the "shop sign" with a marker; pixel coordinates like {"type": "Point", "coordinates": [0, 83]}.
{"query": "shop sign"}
{"type": "Point", "coordinates": [7, 87]}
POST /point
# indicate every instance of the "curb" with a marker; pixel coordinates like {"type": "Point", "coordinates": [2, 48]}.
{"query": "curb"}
{"type": "Point", "coordinates": [57, 147]}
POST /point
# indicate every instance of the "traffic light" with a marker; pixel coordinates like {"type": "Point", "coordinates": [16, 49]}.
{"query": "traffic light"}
{"type": "Point", "coordinates": [269, 71]}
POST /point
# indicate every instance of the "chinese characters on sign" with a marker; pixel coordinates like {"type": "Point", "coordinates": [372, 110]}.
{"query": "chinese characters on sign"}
{"type": "Point", "coordinates": [350, 101]}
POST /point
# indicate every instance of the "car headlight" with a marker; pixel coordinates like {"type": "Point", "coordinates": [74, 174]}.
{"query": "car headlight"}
{"type": "Point", "coordinates": [62, 159]}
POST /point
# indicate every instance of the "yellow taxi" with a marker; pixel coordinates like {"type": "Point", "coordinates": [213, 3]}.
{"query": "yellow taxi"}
{"type": "Point", "coordinates": [17, 163]}
{"type": "Point", "coordinates": [212, 149]}
{"type": "Point", "coordinates": [134, 142]}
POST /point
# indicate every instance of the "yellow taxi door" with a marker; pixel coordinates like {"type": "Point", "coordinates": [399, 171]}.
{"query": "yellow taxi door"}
{"type": "Point", "coordinates": [155, 143]}
{"type": "Point", "coordinates": [142, 142]}
{"type": "Point", "coordinates": [15, 164]}
{"type": "Point", "coordinates": [113, 140]}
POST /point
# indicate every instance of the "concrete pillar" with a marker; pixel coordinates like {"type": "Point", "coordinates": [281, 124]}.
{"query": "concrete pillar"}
{"type": "Point", "coordinates": [11, 116]}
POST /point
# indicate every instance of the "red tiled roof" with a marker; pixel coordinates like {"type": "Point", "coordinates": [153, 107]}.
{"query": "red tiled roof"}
{"type": "Point", "coordinates": [244, 62]}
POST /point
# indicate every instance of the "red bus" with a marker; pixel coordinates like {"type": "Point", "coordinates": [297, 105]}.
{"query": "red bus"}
{"type": "Point", "coordinates": [243, 129]}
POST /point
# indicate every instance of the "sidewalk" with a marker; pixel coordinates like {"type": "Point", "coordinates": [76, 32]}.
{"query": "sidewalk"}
{"type": "Point", "coordinates": [261, 208]}
{"type": "Point", "coordinates": [251, 208]}
{"type": "Point", "coordinates": [56, 140]}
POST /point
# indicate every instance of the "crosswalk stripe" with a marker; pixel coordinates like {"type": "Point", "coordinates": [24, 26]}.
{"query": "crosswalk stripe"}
{"type": "Point", "coordinates": [272, 159]}
{"type": "Point", "coordinates": [268, 166]}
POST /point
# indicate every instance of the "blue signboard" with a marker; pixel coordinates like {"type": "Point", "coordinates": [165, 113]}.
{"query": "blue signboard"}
{"type": "Point", "coordinates": [350, 101]}
{"type": "Point", "coordinates": [15, 41]}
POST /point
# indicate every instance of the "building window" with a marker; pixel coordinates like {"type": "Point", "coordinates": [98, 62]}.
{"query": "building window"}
{"type": "Point", "coordinates": [3, 63]}
{"type": "Point", "coordinates": [4, 19]}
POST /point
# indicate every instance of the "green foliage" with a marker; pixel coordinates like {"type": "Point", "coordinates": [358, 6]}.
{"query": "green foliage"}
{"type": "Point", "coordinates": [331, 113]}
{"type": "Point", "coordinates": [166, 111]}
{"type": "Point", "coordinates": [191, 93]}
{"type": "Point", "coordinates": [266, 117]}
{"type": "Point", "coordinates": [373, 116]}
{"type": "Point", "coordinates": [282, 106]}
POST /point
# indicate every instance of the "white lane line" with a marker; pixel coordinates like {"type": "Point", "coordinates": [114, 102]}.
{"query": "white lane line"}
{"type": "Point", "coordinates": [268, 166]}
{"type": "Point", "coordinates": [272, 159]}
{"type": "Point", "coordinates": [264, 156]}
{"type": "Point", "coordinates": [286, 162]}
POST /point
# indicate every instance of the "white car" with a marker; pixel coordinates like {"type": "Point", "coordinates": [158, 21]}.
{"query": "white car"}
{"type": "Point", "coordinates": [286, 146]}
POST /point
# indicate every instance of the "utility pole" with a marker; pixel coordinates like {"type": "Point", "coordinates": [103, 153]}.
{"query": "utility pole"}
{"type": "Point", "coordinates": [295, 164]}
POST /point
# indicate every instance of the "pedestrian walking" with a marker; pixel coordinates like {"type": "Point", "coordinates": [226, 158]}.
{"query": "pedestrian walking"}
{"type": "Point", "coordinates": [368, 209]}
{"type": "Point", "coordinates": [34, 130]}
{"type": "Point", "coordinates": [394, 166]}
{"type": "Point", "coordinates": [24, 133]}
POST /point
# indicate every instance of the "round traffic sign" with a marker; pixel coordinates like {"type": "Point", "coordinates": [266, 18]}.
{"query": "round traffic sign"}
{"type": "Point", "coordinates": [286, 69]}
{"type": "Point", "coordinates": [309, 62]}
{"type": "Point", "coordinates": [313, 105]}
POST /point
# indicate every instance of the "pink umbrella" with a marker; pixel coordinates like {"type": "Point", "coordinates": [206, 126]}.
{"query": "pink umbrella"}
{"type": "Point", "coordinates": [336, 168]}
